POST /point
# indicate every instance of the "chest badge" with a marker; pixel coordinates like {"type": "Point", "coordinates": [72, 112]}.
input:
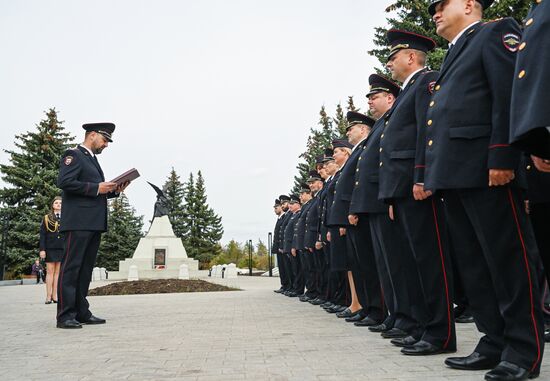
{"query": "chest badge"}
{"type": "Point", "coordinates": [431, 87]}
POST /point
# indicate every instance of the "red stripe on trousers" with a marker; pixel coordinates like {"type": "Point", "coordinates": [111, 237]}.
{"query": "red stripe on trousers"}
{"type": "Point", "coordinates": [444, 276]}
{"type": "Point", "coordinates": [528, 277]}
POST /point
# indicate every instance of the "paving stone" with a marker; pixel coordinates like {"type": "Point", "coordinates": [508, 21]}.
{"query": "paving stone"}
{"type": "Point", "coordinates": [253, 334]}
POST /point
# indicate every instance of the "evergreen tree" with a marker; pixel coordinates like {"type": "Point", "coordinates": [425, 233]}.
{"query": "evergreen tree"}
{"type": "Point", "coordinates": [174, 192]}
{"type": "Point", "coordinates": [204, 227]}
{"type": "Point", "coordinates": [319, 139]}
{"type": "Point", "coordinates": [340, 121]}
{"type": "Point", "coordinates": [351, 105]}
{"type": "Point", "coordinates": [412, 15]}
{"type": "Point", "coordinates": [122, 236]}
{"type": "Point", "coordinates": [31, 178]}
{"type": "Point", "coordinates": [261, 248]}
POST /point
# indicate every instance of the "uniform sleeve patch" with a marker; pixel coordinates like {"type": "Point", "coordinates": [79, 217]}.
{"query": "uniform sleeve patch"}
{"type": "Point", "coordinates": [511, 41]}
{"type": "Point", "coordinates": [68, 160]}
{"type": "Point", "coordinates": [431, 87]}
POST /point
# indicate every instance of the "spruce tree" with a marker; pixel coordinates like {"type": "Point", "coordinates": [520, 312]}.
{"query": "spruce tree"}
{"type": "Point", "coordinates": [174, 192]}
{"type": "Point", "coordinates": [351, 106]}
{"type": "Point", "coordinates": [204, 226]}
{"type": "Point", "coordinates": [319, 139]}
{"type": "Point", "coordinates": [122, 236]}
{"type": "Point", "coordinates": [340, 121]}
{"type": "Point", "coordinates": [31, 177]}
{"type": "Point", "coordinates": [412, 15]}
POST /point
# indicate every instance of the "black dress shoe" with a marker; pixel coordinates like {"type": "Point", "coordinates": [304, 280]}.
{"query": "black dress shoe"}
{"type": "Point", "coordinates": [279, 291]}
{"type": "Point", "coordinates": [475, 361]}
{"type": "Point", "coordinates": [93, 320]}
{"type": "Point", "coordinates": [506, 371]}
{"type": "Point", "coordinates": [465, 318]}
{"type": "Point", "coordinates": [394, 333]}
{"type": "Point", "coordinates": [404, 341]}
{"type": "Point", "coordinates": [347, 313]}
{"type": "Point", "coordinates": [327, 305]}
{"type": "Point", "coordinates": [366, 322]}
{"type": "Point", "coordinates": [357, 317]}
{"type": "Point", "coordinates": [423, 348]}
{"type": "Point", "coordinates": [304, 298]}
{"type": "Point", "coordinates": [379, 328]}
{"type": "Point", "coordinates": [547, 336]}
{"type": "Point", "coordinates": [317, 302]}
{"type": "Point", "coordinates": [49, 301]}
{"type": "Point", "coordinates": [69, 324]}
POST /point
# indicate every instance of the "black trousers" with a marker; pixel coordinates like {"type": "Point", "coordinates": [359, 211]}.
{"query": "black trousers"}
{"type": "Point", "coordinates": [500, 268]}
{"type": "Point", "coordinates": [392, 249]}
{"type": "Point", "coordinates": [540, 219]}
{"type": "Point", "coordinates": [288, 278]}
{"type": "Point", "coordinates": [424, 227]}
{"type": "Point", "coordinates": [365, 273]}
{"type": "Point", "coordinates": [298, 281]}
{"type": "Point", "coordinates": [75, 275]}
{"type": "Point", "coordinates": [321, 273]}
{"type": "Point", "coordinates": [283, 276]}
{"type": "Point", "coordinates": [310, 273]}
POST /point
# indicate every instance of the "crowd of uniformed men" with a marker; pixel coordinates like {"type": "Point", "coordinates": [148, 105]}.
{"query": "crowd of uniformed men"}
{"type": "Point", "coordinates": [420, 217]}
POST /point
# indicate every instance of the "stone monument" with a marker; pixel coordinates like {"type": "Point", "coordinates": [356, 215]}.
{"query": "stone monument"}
{"type": "Point", "coordinates": [160, 253]}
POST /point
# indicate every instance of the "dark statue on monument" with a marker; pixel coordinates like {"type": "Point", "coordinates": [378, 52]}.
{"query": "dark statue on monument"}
{"type": "Point", "coordinates": [161, 205]}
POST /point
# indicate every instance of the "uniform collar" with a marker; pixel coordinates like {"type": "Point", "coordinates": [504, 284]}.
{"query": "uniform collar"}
{"type": "Point", "coordinates": [406, 81]}
{"type": "Point", "coordinates": [87, 149]}
{"type": "Point", "coordinates": [454, 41]}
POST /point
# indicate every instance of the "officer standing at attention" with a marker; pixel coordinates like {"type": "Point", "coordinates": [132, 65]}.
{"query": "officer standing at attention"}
{"type": "Point", "coordinates": [315, 182]}
{"type": "Point", "coordinates": [85, 195]}
{"type": "Point", "coordinates": [469, 160]}
{"type": "Point", "coordinates": [278, 209]}
{"type": "Point", "coordinates": [530, 114]}
{"type": "Point", "coordinates": [401, 176]}
{"type": "Point", "coordinates": [285, 272]}
{"type": "Point", "coordinates": [304, 256]}
{"type": "Point", "coordinates": [295, 268]}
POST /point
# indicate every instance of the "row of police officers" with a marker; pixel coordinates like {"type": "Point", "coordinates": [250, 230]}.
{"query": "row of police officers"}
{"type": "Point", "coordinates": [439, 197]}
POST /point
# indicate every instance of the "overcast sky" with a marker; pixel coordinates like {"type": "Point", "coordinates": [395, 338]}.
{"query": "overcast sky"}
{"type": "Point", "coordinates": [228, 87]}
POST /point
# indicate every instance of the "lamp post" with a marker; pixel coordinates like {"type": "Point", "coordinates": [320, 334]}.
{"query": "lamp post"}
{"type": "Point", "coordinates": [270, 256]}
{"type": "Point", "coordinates": [250, 257]}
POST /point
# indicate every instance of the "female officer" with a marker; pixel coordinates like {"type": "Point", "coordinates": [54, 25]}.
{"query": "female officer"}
{"type": "Point", "coordinates": [52, 245]}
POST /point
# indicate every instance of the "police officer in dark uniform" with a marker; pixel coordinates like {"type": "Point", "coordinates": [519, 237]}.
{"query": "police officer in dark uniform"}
{"type": "Point", "coordinates": [278, 209]}
{"type": "Point", "coordinates": [530, 114]}
{"type": "Point", "coordinates": [394, 259]}
{"type": "Point", "coordinates": [337, 243]}
{"type": "Point", "coordinates": [336, 292]}
{"type": "Point", "coordinates": [85, 195]}
{"type": "Point", "coordinates": [318, 281]}
{"type": "Point", "coordinates": [469, 160]}
{"type": "Point", "coordinates": [401, 185]}
{"type": "Point", "coordinates": [289, 247]}
{"type": "Point", "coordinates": [360, 251]}
{"type": "Point", "coordinates": [285, 271]}
{"type": "Point", "coordinates": [304, 256]}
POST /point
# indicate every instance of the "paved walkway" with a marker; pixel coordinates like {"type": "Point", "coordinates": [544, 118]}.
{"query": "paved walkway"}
{"type": "Point", "coordinates": [253, 334]}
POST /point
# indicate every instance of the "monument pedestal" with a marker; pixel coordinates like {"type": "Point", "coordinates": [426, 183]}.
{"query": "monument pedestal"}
{"type": "Point", "coordinates": [158, 255]}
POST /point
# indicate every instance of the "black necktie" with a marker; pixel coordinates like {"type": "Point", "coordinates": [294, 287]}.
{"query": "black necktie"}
{"type": "Point", "coordinates": [57, 215]}
{"type": "Point", "coordinates": [448, 52]}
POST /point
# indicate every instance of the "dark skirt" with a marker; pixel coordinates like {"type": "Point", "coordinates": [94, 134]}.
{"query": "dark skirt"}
{"type": "Point", "coordinates": [338, 252]}
{"type": "Point", "coordinates": [54, 255]}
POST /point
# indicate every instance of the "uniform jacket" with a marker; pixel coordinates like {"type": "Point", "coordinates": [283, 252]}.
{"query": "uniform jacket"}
{"type": "Point", "coordinates": [530, 114]}
{"type": "Point", "coordinates": [329, 199]}
{"type": "Point", "coordinates": [312, 223]}
{"type": "Point", "coordinates": [323, 210]}
{"type": "Point", "coordinates": [402, 137]}
{"type": "Point", "coordinates": [365, 193]}
{"type": "Point", "coordinates": [300, 227]}
{"type": "Point", "coordinates": [289, 232]}
{"type": "Point", "coordinates": [467, 126]}
{"type": "Point", "coordinates": [343, 190]}
{"type": "Point", "coordinates": [284, 222]}
{"type": "Point", "coordinates": [276, 235]}
{"type": "Point", "coordinates": [79, 178]}
{"type": "Point", "coordinates": [50, 239]}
